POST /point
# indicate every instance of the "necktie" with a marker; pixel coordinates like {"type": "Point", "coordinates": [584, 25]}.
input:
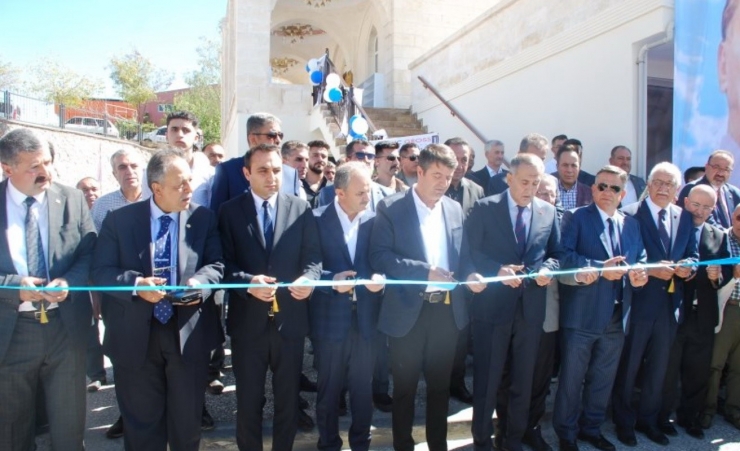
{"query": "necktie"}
{"type": "Point", "coordinates": [267, 226]}
{"type": "Point", "coordinates": [34, 249]}
{"type": "Point", "coordinates": [520, 230]}
{"type": "Point", "coordinates": [665, 238]}
{"type": "Point", "coordinates": [724, 217]}
{"type": "Point", "coordinates": [615, 253]}
{"type": "Point", "coordinates": [163, 310]}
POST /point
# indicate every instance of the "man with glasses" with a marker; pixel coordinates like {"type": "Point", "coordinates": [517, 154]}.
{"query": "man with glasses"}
{"type": "Point", "coordinates": [717, 174]}
{"type": "Point", "coordinates": [387, 163]}
{"type": "Point", "coordinates": [594, 308]}
{"type": "Point", "coordinates": [691, 354]}
{"type": "Point", "coordinates": [668, 235]}
{"type": "Point", "coordinates": [409, 153]}
{"type": "Point", "coordinates": [364, 152]}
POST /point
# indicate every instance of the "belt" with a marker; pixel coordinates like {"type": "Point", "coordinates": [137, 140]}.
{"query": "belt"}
{"type": "Point", "coordinates": [36, 314]}
{"type": "Point", "coordinates": [434, 297]}
{"type": "Point", "coordinates": [733, 302]}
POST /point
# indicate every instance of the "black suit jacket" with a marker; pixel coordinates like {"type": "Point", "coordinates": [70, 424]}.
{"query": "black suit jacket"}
{"type": "Point", "coordinates": [123, 253]}
{"type": "Point", "coordinates": [70, 246]}
{"type": "Point", "coordinates": [732, 199]}
{"type": "Point", "coordinates": [713, 244]}
{"type": "Point", "coordinates": [295, 252]}
{"type": "Point", "coordinates": [493, 244]}
{"type": "Point", "coordinates": [482, 176]}
{"type": "Point", "coordinates": [471, 193]}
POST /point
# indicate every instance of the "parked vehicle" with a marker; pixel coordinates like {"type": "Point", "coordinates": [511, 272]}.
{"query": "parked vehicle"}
{"type": "Point", "coordinates": [92, 125]}
{"type": "Point", "coordinates": [156, 136]}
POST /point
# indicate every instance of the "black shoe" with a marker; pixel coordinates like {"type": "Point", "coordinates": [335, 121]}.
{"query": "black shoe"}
{"type": "Point", "coordinates": [215, 387]}
{"type": "Point", "coordinates": [667, 428]}
{"type": "Point", "coordinates": [343, 404]}
{"type": "Point", "coordinates": [598, 442]}
{"type": "Point", "coordinates": [206, 421]}
{"type": "Point", "coordinates": [694, 429]}
{"type": "Point", "coordinates": [116, 429]}
{"type": "Point", "coordinates": [627, 437]}
{"type": "Point", "coordinates": [302, 403]}
{"type": "Point", "coordinates": [567, 445]}
{"type": "Point", "coordinates": [653, 434]}
{"type": "Point", "coordinates": [705, 421]}
{"type": "Point", "coordinates": [533, 439]}
{"type": "Point", "coordinates": [307, 385]}
{"type": "Point", "coordinates": [305, 422]}
{"type": "Point", "coordinates": [383, 402]}
{"type": "Point", "coordinates": [461, 393]}
{"type": "Point", "coordinates": [498, 441]}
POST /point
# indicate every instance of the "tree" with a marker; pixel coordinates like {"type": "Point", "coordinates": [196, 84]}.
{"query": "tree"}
{"type": "Point", "coordinates": [204, 96]}
{"type": "Point", "coordinates": [59, 84]}
{"type": "Point", "coordinates": [137, 80]}
{"type": "Point", "coordinates": [9, 76]}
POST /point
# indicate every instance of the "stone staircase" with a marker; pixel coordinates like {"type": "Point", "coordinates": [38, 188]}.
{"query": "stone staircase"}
{"type": "Point", "coordinates": [397, 122]}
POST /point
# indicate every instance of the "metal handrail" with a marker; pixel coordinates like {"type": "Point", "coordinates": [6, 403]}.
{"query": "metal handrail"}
{"type": "Point", "coordinates": [453, 111]}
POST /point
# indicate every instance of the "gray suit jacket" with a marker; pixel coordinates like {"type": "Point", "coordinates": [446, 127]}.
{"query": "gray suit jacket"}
{"type": "Point", "coordinates": [71, 241]}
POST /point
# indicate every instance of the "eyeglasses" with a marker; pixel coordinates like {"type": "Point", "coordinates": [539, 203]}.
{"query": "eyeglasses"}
{"type": "Point", "coordinates": [615, 188]}
{"type": "Point", "coordinates": [364, 156]}
{"type": "Point", "coordinates": [719, 168]}
{"type": "Point", "coordinates": [271, 135]}
{"type": "Point", "coordinates": [391, 158]}
{"type": "Point", "coordinates": [662, 184]}
{"type": "Point", "coordinates": [704, 208]}
{"type": "Point", "coordinates": [412, 157]}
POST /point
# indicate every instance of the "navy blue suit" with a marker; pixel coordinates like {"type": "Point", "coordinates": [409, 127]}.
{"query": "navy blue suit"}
{"type": "Point", "coordinates": [507, 321]}
{"type": "Point", "coordinates": [718, 218]}
{"type": "Point", "coordinates": [655, 316]}
{"type": "Point", "coordinates": [342, 332]}
{"type": "Point", "coordinates": [592, 324]}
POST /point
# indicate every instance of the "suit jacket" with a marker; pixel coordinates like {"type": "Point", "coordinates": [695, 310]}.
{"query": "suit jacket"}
{"type": "Point", "coordinates": [732, 199]}
{"type": "Point", "coordinates": [590, 307]}
{"type": "Point", "coordinates": [295, 252]}
{"type": "Point", "coordinates": [651, 300]}
{"type": "Point", "coordinates": [328, 193]}
{"type": "Point", "coordinates": [639, 184]}
{"type": "Point", "coordinates": [496, 184]}
{"type": "Point", "coordinates": [482, 176]}
{"type": "Point", "coordinates": [330, 312]}
{"type": "Point", "coordinates": [583, 192]}
{"type": "Point", "coordinates": [586, 178]}
{"type": "Point", "coordinates": [493, 244]}
{"type": "Point", "coordinates": [397, 250]}
{"type": "Point", "coordinates": [123, 253]}
{"type": "Point", "coordinates": [70, 246]}
{"type": "Point", "coordinates": [471, 193]}
{"type": "Point", "coordinates": [229, 182]}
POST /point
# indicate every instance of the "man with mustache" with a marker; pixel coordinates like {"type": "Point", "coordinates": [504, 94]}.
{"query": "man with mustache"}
{"type": "Point", "coordinates": [387, 165]}
{"type": "Point", "coordinates": [717, 173]}
{"type": "Point", "coordinates": [318, 158]}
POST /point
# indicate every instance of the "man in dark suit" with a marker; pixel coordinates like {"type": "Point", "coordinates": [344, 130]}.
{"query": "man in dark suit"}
{"type": "Point", "coordinates": [47, 240]}
{"type": "Point", "coordinates": [595, 308]}
{"type": "Point", "coordinates": [494, 151]}
{"type": "Point", "coordinates": [533, 143]}
{"type": "Point", "coordinates": [418, 235]}
{"type": "Point", "coordinates": [344, 319]}
{"type": "Point", "coordinates": [691, 354]}
{"type": "Point", "coordinates": [364, 152]}
{"type": "Point", "coordinates": [621, 157]}
{"type": "Point", "coordinates": [510, 233]}
{"type": "Point", "coordinates": [667, 233]}
{"type": "Point", "coordinates": [717, 173]}
{"type": "Point", "coordinates": [572, 193]}
{"type": "Point", "coordinates": [268, 237]}
{"type": "Point", "coordinates": [159, 348]}
{"type": "Point", "coordinates": [229, 182]}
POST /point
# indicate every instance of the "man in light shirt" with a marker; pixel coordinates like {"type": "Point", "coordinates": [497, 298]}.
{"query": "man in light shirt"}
{"type": "Point", "coordinates": [621, 157]}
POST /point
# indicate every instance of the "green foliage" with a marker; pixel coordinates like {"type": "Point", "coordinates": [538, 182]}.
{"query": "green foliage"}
{"type": "Point", "coordinates": [60, 84]}
{"type": "Point", "coordinates": [137, 80]}
{"type": "Point", "coordinates": [9, 76]}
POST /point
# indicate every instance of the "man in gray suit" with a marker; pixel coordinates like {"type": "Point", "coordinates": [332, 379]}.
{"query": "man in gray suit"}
{"type": "Point", "coordinates": [43, 334]}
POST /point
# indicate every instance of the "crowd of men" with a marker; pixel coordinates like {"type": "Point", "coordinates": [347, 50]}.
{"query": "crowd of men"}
{"type": "Point", "coordinates": [602, 282]}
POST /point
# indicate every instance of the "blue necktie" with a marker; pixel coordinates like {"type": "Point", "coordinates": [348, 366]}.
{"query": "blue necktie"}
{"type": "Point", "coordinates": [665, 238]}
{"type": "Point", "coordinates": [618, 288]}
{"type": "Point", "coordinates": [163, 310]}
{"type": "Point", "coordinates": [267, 226]}
{"type": "Point", "coordinates": [34, 249]}
{"type": "Point", "coordinates": [520, 230]}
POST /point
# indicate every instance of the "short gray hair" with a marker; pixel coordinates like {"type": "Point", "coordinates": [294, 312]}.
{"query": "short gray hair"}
{"type": "Point", "coordinates": [160, 163]}
{"type": "Point", "coordinates": [723, 153]}
{"type": "Point", "coordinates": [17, 141]}
{"type": "Point", "coordinates": [259, 120]}
{"type": "Point", "coordinates": [121, 153]}
{"type": "Point", "coordinates": [670, 168]}
{"type": "Point", "coordinates": [611, 169]}
{"type": "Point", "coordinates": [533, 139]}
{"type": "Point", "coordinates": [491, 144]}
{"type": "Point", "coordinates": [347, 171]}
{"type": "Point", "coordinates": [526, 159]}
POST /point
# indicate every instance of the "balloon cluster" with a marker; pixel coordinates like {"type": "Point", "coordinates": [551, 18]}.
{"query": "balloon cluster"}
{"type": "Point", "coordinates": [333, 93]}
{"type": "Point", "coordinates": [313, 67]}
{"type": "Point", "coordinates": [358, 126]}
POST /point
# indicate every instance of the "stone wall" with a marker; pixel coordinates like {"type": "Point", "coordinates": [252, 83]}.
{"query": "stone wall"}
{"type": "Point", "coordinates": [80, 155]}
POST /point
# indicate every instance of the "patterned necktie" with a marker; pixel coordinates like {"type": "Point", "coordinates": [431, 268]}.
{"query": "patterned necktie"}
{"type": "Point", "coordinates": [520, 230]}
{"type": "Point", "coordinates": [267, 226]}
{"type": "Point", "coordinates": [618, 288]}
{"type": "Point", "coordinates": [665, 238]}
{"type": "Point", "coordinates": [163, 310]}
{"type": "Point", "coordinates": [34, 249]}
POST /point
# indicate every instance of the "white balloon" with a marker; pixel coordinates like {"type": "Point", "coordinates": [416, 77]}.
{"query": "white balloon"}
{"type": "Point", "coordinates": [333, 81]}
{"type": "Point", "coordinates": [313, 64]}
{"type": "Point", "coordinates": [359, 126]}
{"type": "Point", "coordinates": [326, 96]}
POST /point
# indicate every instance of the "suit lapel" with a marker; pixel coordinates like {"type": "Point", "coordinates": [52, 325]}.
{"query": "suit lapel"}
{"type": "Point", "coordinates": [598, 224]}
{"type": "Point", "coordinates": [502, 210]}
{"type": "Point", "coordinates": [282, 207]}
{"type": "Point", "coordinates": [538, 220]}
{"type": "Point", "coordinates": [449, 225]}
{"type": "Point", "coordinates": [335, 224]}
{"type": "Point", "coordinates": [414, 224]}
{"type": "Point", "coordinates": [6, 262]}
{"type": "Point", "coordinates": [56, 202]}
{"type": "Point", "coordinates": [250, 210]}
{"type": "Point", "coordinates": [652, 228]}
{"type": "Point", "coordinates": [675, 213]}
{"type": "Point", "coordinates": [143, 236]}
{"type": "Point", "coordinates": [182, 246]}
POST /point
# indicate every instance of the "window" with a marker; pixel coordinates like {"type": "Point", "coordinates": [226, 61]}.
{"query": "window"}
{"type": "Point", "coordinates": [372, 52]}
{"type": "Point", "coordinates": [91, 122]}
{"type": "Point", "coordinates": [75, 121]}
{"type": "Point", "coordinates": [161, 131]}
{"type": "Point", "coordinates": [165, 108]}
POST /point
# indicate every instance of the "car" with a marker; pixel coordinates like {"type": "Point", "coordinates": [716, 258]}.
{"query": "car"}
{"type": "Point", "coordinates": [156, 136]}
{"type": "Point", "coordinates": [92, 125]}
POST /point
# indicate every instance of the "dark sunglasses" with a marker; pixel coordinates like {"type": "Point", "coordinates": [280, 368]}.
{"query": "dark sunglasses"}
{"type": "Point", "coordinates": [412, 157]}
{"type": "Point", "coordinates": [603, 187]}
{"type": "Point", "coordinates": [271, 135]}
{"type": "Point", "coordinates": [391, 158]}
{"type": "Point", "coordinates": [364, 156]}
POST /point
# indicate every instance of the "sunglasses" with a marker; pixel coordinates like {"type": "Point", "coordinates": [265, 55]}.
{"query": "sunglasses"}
{"type": "Point", "coordinates": [412, 157]}
{"type": "Point", "coordinates": [271, 135]}
{"type": "Point", "coordinates": [603, 187]}
{"type": "Point", "coordinates": [391, 158]}
{"type": "Point", "coordinates": [364, 156]}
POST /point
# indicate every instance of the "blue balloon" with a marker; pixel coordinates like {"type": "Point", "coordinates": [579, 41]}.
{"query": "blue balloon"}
{"type": "Point", "coordinates": [352, 119]}
{"type": "Point", "coordinates": [317, 77]}
{"type": "Point", "coordinates": [335, 94]}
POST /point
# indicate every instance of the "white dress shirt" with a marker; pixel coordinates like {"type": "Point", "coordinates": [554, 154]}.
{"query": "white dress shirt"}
{"type": "Point", "coordinates": [15, 209]}
{"type": "Point", "coordinates": [514, 212]}
{"type": "Point", "coordinates": [349, 228]}
{"type": "Point", "coordinates": [174, 229]}
{"type": "Point", "coordinates": [433, 234]}
{"type": "Point", "coordinates": [271, 205]}
{"type": "Point", "coordinates": [492, 172]}
{"type": "Point", "coordinates": [616, 219]}
{"type": "Point", "coordinates": [631, 196]}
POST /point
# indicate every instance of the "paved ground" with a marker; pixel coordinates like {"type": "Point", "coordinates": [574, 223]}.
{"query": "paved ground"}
{"type": "Point", "coordinates": [103, 411]}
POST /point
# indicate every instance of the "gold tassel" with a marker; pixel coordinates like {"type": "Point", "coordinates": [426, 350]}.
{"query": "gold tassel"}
{"type": "Point", "coordinates": [275, 308]}
{"type": "Point", "coordinates": [671, 287]}
{"type": "Point", "coordinates": [43, 318]}
{"type": "Point", "coordinates": [447, 298]}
